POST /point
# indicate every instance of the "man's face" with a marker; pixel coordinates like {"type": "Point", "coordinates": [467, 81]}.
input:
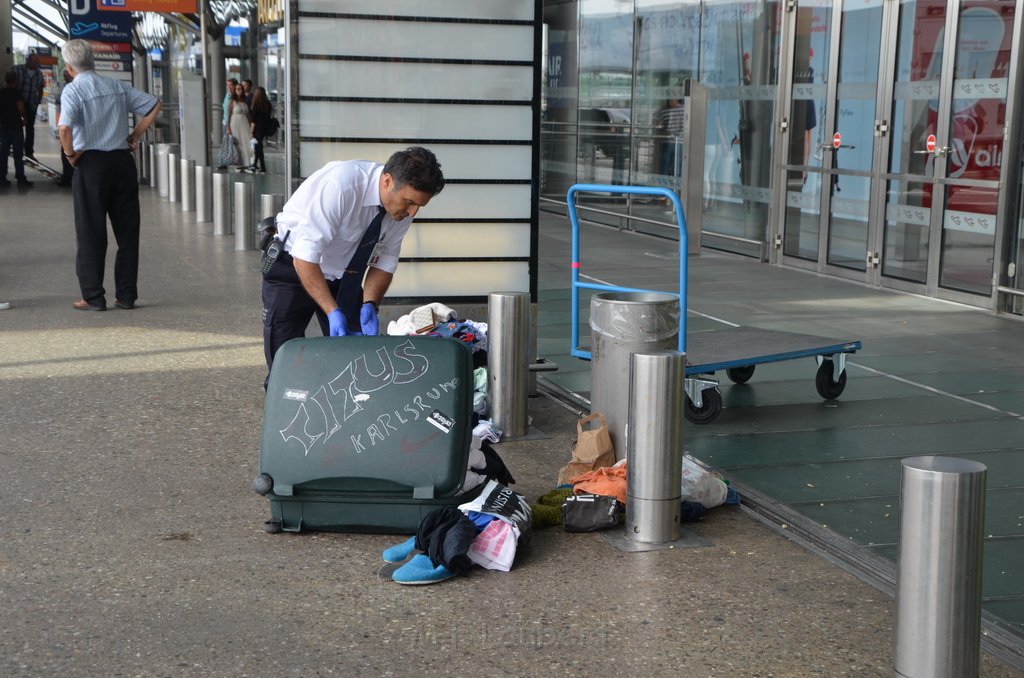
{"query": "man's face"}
{"type": "Point", "coordinates": [401, 202]}
{"type": "Point", "coordinates": [32, 61]}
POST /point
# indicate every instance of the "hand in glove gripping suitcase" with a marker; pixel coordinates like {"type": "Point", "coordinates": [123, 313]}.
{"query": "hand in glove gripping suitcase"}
{"type": "Point", "coordinates": [336, 321]}
{"type": "Point", "coordinates": [368, 320]}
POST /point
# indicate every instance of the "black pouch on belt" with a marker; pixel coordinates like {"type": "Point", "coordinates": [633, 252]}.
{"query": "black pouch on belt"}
{"type": "Point", "coordinates": [271, 251]}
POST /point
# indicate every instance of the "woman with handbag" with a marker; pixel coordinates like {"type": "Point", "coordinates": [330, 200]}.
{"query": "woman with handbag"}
{"type": "Point", "coordinates": [240, 125]}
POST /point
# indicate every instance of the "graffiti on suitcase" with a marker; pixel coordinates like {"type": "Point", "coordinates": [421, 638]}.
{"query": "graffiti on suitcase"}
{"type": "Point", "coordinates": [352, 395]}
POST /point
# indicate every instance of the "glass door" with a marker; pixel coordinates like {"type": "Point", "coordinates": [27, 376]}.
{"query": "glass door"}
{"type": "Point", "coordinates": [850, 146]}
{"type": "Point", "coordinates": [831, 125]}
{"type": "Point", "coordinates": [946, 148]}
{"type": "Point", "coordinates": [803, 122]}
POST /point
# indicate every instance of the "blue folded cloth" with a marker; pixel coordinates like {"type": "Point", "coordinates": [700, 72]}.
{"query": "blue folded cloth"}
{"type": "Point", "coordinates": [421, 570]}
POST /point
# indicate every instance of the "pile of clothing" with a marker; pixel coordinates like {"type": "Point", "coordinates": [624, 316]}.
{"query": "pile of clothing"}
{"type": "Point", "coordinates": [437, 320]}
{"type": "Point", "coordinates": [487, 532]}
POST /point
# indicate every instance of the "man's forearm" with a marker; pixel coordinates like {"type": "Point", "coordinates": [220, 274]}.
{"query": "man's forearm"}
{"type": "Point", "coordinates": [376, 285]}
{"type": "Point", "coordinates": [312, 278]}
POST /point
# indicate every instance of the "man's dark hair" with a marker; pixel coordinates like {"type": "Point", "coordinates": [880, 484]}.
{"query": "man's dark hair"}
{"type": "Point", "coordinates": [416, 167]}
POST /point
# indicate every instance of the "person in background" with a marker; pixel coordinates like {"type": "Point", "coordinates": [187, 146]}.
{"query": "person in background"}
{"type": "Point", "coordinates": [240, 125]}
{"type": "Point", "coordinates": [13, 119]}
{"type": "Point", "coordinates": [94, 135]}
{"type": "Point", "coordinates": [247, 88]}
{"type": "Point", "coordinates": [261, 115]}
{"type": "Point", "coordinates": [229, 93]}
{"type": "Point", "coordinates": [31, 77]}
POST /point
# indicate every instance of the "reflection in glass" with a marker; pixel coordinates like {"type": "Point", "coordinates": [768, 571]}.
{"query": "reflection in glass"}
{"type": "Point", "coordinates": [808, 150]}
{"type": "Point", "coordinates": [558, 101]}
{"type": "Point", "coordinates": [606, 89]}
{"type": "Point", "coordinates": [803, 218]}
{"type": "Point", "coordinates": [968, 238]}
{"type": "Point", "coordinates": [667, 55]}
{"type": "Point", "coordinates": [848, 227]}
{"type": "Point", "coordinates": [906, 233]}
{"type": "Point", "coordinates": [739, 66]}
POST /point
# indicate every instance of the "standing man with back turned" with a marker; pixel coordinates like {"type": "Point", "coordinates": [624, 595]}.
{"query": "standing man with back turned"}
{"type": "Point", "coordinates": [95, 137]}
{"type": "Point", "coordinates": [346, 220]}
{"type": "Point", "coordinates": [31, 93]}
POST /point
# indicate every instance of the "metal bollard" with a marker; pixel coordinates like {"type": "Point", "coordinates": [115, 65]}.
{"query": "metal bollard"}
{"type": "Point", "coordinates": [622, 323]}
{"type": "Point", "coordinates": [188, 184]}
{"type": "Point", "coordinates": [173, 183]}
{"type": "Point", "coordinates": [270, 204]}
{"type": "Point", "coordinates": [508, 370]}
{"type": "Point", "coordinates": [938, 568]}
{"type": "Point", "coordinates": [151, 162]}
{"type": "Point", "coordinates": [161, 170]}
{"type": "Point", "coordinates": [221, 204]}
{"type": "Point", "coordinates": [245, 225]}
{"type": "Point", "coordinates": [204, 193]}
{"type": "Point", "coordinates": [654, 447]}
{"type": "Point", "coordinates": [145, 169]}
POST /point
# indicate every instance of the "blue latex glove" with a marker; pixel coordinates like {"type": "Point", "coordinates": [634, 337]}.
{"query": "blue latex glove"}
{"type": "Point", "coordinates": [368, 320]}
{"type": "Point", "coordinates": [337, 322]}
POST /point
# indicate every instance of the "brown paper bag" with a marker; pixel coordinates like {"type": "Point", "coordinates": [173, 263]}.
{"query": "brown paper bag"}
{"type": "Point", "coordinates": [592, 449]}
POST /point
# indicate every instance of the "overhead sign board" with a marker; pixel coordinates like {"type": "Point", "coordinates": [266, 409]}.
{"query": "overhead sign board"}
{"type": "Point", "coordinates": [87, 22]}
{"type": "Point", "coordinates": [183, 6]}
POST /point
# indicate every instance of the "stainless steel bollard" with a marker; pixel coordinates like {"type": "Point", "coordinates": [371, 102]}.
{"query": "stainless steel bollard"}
{"type": "Point", "coordinates": [173, 181]}
{"type": "Point", "coordinates": [270, 204]}
{"type": "Point", "coordinates": [152, 162]}
{"type": "Point", "coordinates": [938, 568]}
{"type": "Point", "coordinates": [622, 323]}
{"type": "Point", "coordinates": [221, 204]}
{"type": "Point", "coordinates": [145, 168]}
{"type": "Point", "coordinates": [245, 225]}
{"type": "Point", "coordinates": [508, 370]}
{"type": "Point", "coordinates": [161, 169]}
{"type": "Point", "coordinates": [654, 448]}
{"type": "Point", "coordinates": [204, 193]}
{"type": "Point", "coordinates": [188, 184]}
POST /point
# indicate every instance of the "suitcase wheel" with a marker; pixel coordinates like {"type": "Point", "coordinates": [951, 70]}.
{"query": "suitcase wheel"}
{"type": "Point", "coordinates": [263, 484]}
{"type": "Point", "coordinates": [272, 526]}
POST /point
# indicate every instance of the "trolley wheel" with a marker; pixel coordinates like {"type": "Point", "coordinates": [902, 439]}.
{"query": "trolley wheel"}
{"type": "Point", "coordinates": [828, 388]}
{"type": "Point", "coordinates": [709, 409]}
{"type": "Point", "coordinates": [740, 375]}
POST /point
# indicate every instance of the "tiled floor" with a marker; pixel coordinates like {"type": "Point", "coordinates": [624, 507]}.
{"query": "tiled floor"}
{"type": "Point", "coordinates": [932, 378]}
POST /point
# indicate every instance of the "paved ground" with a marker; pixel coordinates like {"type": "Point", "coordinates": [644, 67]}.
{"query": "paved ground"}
{"type": "Point", "coordinates": [132, 544]}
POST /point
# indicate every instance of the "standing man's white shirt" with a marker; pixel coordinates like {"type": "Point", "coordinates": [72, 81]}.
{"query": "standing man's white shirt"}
{"type": "Point", "coordinates": [326, 217]}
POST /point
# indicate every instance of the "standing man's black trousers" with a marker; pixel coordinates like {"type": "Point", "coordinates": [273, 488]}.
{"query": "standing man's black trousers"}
{"type": "Point", "coordinates": [30, 131]}
{"type": "Point", "coordinates": [106, 184]}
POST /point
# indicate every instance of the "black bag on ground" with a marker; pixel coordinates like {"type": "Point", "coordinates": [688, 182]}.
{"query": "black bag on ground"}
{"type": "Point", "coordinates": [591, 513]}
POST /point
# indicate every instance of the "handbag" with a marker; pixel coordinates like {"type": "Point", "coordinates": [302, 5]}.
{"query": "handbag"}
{"type": "Point", "coordinates": [590, 513]}
{"type": "Point", "coordinates": [229, 154]}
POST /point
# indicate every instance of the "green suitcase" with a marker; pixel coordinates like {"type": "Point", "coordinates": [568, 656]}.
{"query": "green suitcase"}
{"type": "Point", "coordinates": [365, 434]}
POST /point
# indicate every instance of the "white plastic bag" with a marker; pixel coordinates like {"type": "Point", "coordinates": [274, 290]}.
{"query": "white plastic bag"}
{"type": "Point", "coordinates": [701, 486]}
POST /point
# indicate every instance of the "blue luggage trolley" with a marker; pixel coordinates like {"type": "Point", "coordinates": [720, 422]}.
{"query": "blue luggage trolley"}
{"type": "Point", "coordinates": [709, 351]}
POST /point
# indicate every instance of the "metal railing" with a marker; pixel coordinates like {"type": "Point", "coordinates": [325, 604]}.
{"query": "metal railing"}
{"type": "Point", "coordinates": [577, 285]}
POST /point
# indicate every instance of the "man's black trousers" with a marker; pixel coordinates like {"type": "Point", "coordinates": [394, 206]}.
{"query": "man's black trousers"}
{"type": "Point", "coordinates": [106, 184]}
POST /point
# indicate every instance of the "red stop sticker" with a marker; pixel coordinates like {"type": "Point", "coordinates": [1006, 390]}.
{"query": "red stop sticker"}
{"type": "Point", "coordinates": [837, 140]}
{"type": "Point", "coordinates": [930, 143]}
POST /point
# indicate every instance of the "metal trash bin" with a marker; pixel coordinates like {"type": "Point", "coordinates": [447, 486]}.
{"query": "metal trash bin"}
{"type": "Point", "coordinates": [623, 323]}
